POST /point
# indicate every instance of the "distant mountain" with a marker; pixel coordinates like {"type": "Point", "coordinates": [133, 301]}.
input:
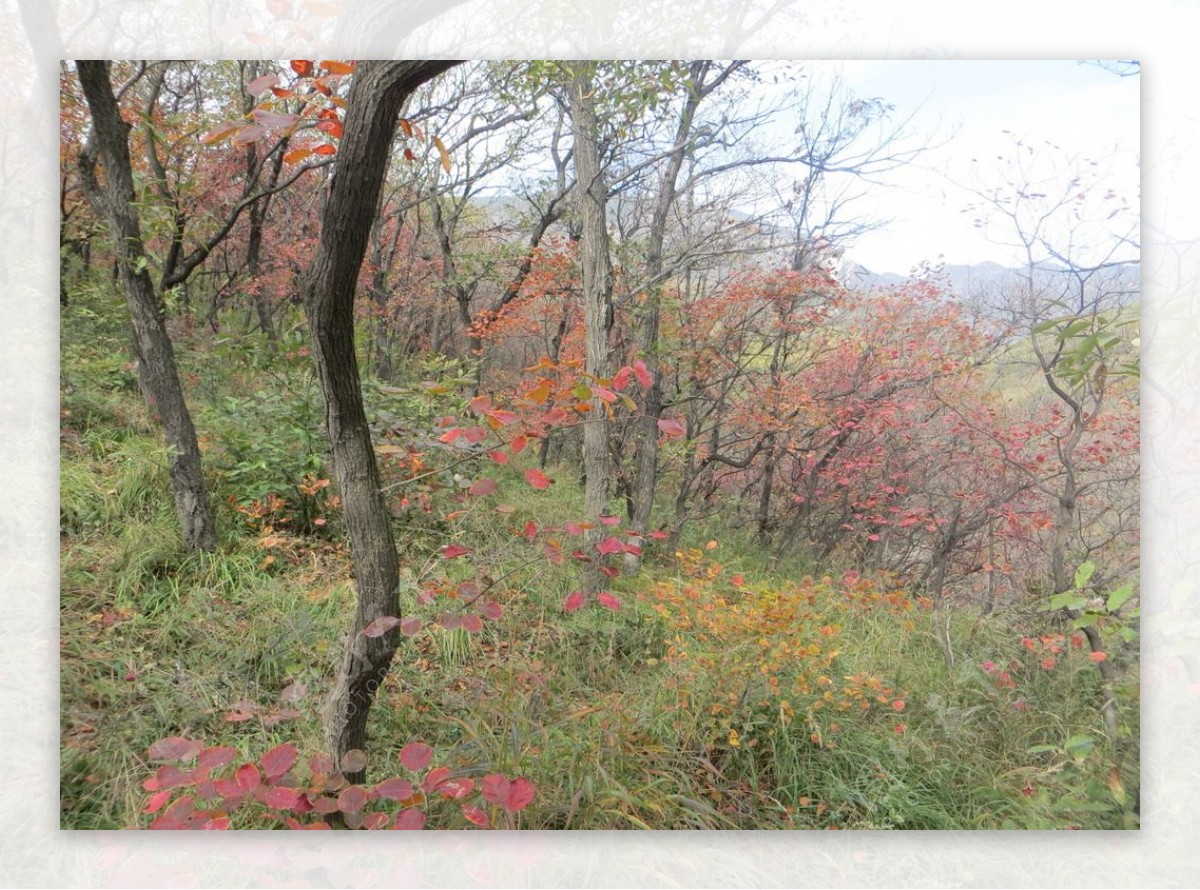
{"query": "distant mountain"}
{"type": "Point", "coordinates": [969, 282]}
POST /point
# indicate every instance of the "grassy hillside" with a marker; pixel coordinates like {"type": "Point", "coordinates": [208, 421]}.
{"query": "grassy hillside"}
{"type": "Point", "coordinates": [726, 693]}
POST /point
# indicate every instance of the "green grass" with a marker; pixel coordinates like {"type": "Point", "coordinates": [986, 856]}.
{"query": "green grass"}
{"type": "Point", "coordinates": [157, 642]}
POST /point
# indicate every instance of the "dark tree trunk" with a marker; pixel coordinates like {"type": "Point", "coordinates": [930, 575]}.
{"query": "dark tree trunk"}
{"type": "Point", "coordinates": [157, 373]}
{"type": "Point", "coordinates": [377, 95]}
{"type": "Point", "coordinates": [597, 296]}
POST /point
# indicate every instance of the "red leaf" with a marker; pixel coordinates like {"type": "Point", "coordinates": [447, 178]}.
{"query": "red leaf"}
{"type": "Point", "coordinates": [455, 789]}
{"type": "Point", "coordinates": [504, 418]}
{"type": "Point", "coordinates": [247, 777]}
{"type": "Point", "coordinates": [659, 535]}
{"type": "Point", "coordinates": [247, 135]}
{"type": "Point", "coordinates": [494, 788]}
{"type": "Point", "coordinates": [530, 530]}
{"type": "Point", "coordinates": [574, 601]}
{"type": "Point", "coordinates": [416, 756]}
{"type": "Point", "coordinates": [354, 761]}
{"type": "Point", "coordinates": [156, 801]}
{"type": "Point", "coordinates": [333, 128]}
{"type": "Point", "coordinates": [279, 760]}
{"type": "Point", "coordinates": [491, 610]}
{"type": "Point", "coordinates": [375, 821]}
{"type": "Point", "coordinates": [380, 626]}
{"type": "Point", "coordinates": [537, 478]}
{"type": "Point", "coordinates": [273, 120]}
{"type": "Point", "coordinates": [610, 520]}
{"type": "Point", "coordinates": [621, 380]}
{"type": "Point", "coordinates": [450, 435]}
{"type": "Point", "coordinates": [452, 550]}
{"type": "Point", "coordinates": [471, 623]}
{"type": "Point", "coordinates": [642, 373]}
{"type": "Point", "coordinates": [211, 758]}
{"type": "Point", "coordinates": [479, 404]}
{"type": "Point", "coordinates": [303, 67]}
{"type": "Point", "coordinates": [435, 778]}
{"type": "Point", "coordinates": [605, 395]}
{"type": "Point", "coordinates": [482, 487]}
{"type": "Point", "coordinates": [475, 816]}
{"type": "Point", "coordinates": [325, 149]}
{"type": "Point", "coordinates": [260, 85]}
{"type": "Point", "coordinates": [173, 777]}
{"type": "Point", "coordinates": [410, 627]}
{"type": "Point", "coordinates": [499, 457]}
{"type": "Point", "coordinates": [241, 712]}
{"type": "Point", "coordinates": [393, 789]}
{"type": "Point", "coordinates": [520, 793]}
{"type": "Point", "coordinates": [573, 528]}
{"type": "Point", "coordinates": [281, 797]}
{"type": "Point", "coordinates": [475, 434]}
{"type": "Point", "coordinates": [672, 428]}
{"type": "Point", "coordinates": [610, 545]}
{"type": "Point", "coordinates": [609, 601]}
{"type": "Point", "coordinates": [517, 445]}
{"type": "Point", "coordinates": [352, 799]}
{"type": "Point", "coordinates": [175, 748]}
{"type": "Point", "coordinates": [634, 549]}
{"type": "Point", "coordinates": [220, 823]}
{"type": "Point", "coordinates": [411, 819]}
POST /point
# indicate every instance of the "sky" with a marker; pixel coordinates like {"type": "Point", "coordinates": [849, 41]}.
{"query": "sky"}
{"type": "Point", "coordinates": [1082, 108]}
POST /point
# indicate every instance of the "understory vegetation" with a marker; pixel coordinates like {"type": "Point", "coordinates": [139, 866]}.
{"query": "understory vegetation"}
{"type": "Point", "coordinates": [728, 692]}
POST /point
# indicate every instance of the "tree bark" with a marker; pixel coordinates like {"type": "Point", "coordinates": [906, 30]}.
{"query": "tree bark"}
{"type": "Point", "coordinates": [596, 270]}
{"type": "Point", "coordinates": [377, 95]}
{"type": "Point", "coordinates": [157, 372]}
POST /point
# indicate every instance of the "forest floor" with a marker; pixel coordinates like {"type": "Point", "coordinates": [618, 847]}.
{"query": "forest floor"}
{"type": "Point", "coordinates": [728, 691]}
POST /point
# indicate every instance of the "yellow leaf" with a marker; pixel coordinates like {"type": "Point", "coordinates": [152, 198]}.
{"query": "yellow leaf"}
{"type": "Point", "coordinates": [442, 151]}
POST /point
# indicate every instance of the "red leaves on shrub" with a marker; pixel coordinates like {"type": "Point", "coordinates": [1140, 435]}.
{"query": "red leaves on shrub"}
{"type": "Point", "coordinates": [381, 625]}
{"type": "Point", "coordinates": [354, 761]}
{"type": "Point", "coordinates": [574, 601]}
{"type": "Point", "coordinates": [175, 748]}
{"type": "Point", "coordinates": [281, 797]}
{"type": "Point", "coordinates": [476, 816]}
{"type": "Point", "coordinates": [450, 551]}
{"type": "Point", "coordinates": [247, 777]}
{"type": "Point", "coordinates": [537, 478]}
{"type": "Point", "coordinates": [482, 487]}
{"type": "Point", "coordinates": [642, 373]}
{"type": "Point", "coordinates": [352, 799]}
{"type": "Point", "coordinates": [610, 545]}
{"type": "Point", "coordinates": [672, 428]}
{"type": "Point", "coordinates": [393, 789]}
{"type": "Point", "coordinates": [609, 601]}
{"type": "Point", "coordinates": [416, 756]}
{"type": "Point", "coordinates": [512, 795]}
{"type": "Point", "coordinates": [279, 760]}
{"type": "Point", "coordinates": [409, 820]}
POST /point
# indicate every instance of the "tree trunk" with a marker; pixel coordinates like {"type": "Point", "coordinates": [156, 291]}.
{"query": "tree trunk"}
{"type": "Point", "coordinates": [597, 297]}
{"type": "Point", "coordinates": [377, 94]}
{"type": "Point", "coordinates": [157, 373]}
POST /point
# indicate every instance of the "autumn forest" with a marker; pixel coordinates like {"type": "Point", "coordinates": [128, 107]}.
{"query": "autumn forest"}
{"type": "Point", "coordinates": [508, 445]}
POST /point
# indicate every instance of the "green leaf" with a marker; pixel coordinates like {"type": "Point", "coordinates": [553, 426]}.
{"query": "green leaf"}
{"type": "Point", "coordinates": [1042, 749]}
{"type": "Point", "coordinates": [1078, 746]}
{"type": "Point", "coordinates": [1087, 619]}
{"type": "Point", "coordinates": [1069, 600]}
{"type": "Point", "coordinates": [1083, 574]}
{"type": "Point", "coordinates": [1119, 597]}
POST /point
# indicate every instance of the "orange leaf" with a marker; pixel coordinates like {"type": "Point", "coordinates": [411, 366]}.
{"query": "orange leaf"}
{"type": "Point", "coordinates": [303, 67]}
{"type": "Point", "coordinates": [442, 151]}
{"type": "Point", "coordinates": [338, 68]}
